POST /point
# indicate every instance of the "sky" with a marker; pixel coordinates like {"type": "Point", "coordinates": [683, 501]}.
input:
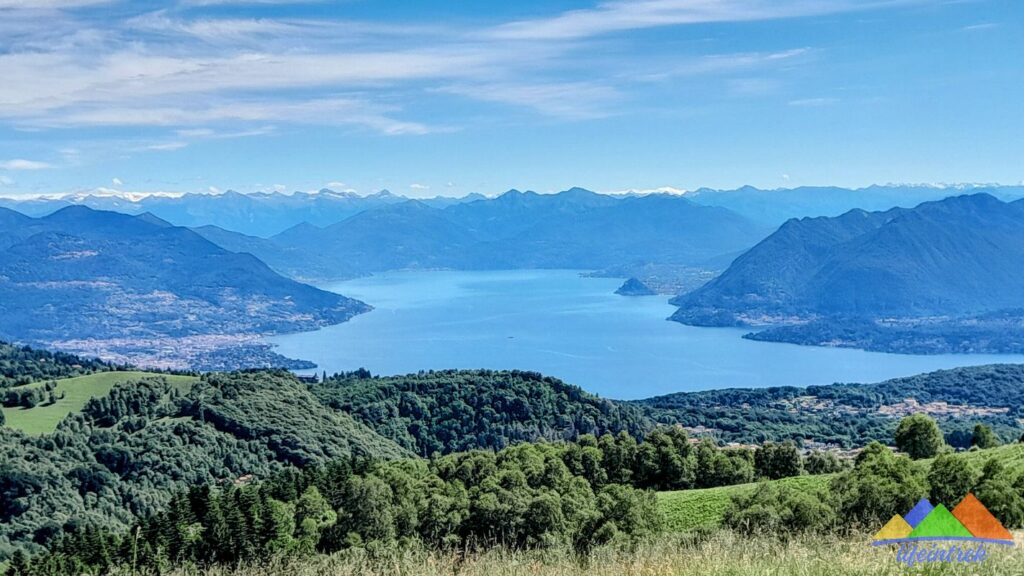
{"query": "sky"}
{"type": "Point", "coordinates": [428, 98]}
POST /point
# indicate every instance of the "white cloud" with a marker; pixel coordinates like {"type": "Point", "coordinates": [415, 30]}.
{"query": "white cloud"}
{"type": "Point", "coordinates": [752, 86]}
{"type": "Point", "coordinates": [195, 132]}
{"type": "Point", "coordinates": [206, 76]}
{"type": "Point", "coordinates": [623, 15]}
{"type": "Point", "coordinates": [222, 2]}
{"type": "Point", "coordinates": [137, 86]}
{"type": "Point", "coordinates": [167, 146]}
{"type": "Point", "coordinates": [117, 182]}
{"type": "Point", "coordinates": [6, 180]}
{"type": "Point", "coordinates": [659, 190]}
{"type": "Point", "coordinates": [567, 100]}
{"type": "Point", "coordinates": [22, 164]}
{"type": "Point", "coordinates": [44, 4]}
{"type": "Point", "coordinates": [335, 111]}
{"type": "Point", "coordinates": [419, 186]}
{"type": "Point", "coordinates": [721, 63]}
{"type": "Point", "coordinates": [335, 185]}
{"type": "Point", "coordinates": [214, 190]}
{"type": "Point", "coordinates": [813, 102]}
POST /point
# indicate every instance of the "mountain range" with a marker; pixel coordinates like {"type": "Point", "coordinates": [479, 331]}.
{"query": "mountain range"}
{"type": "Point", "coordinates": [106, 283]}
{"type": "Point", "coordinates": [573, 229]}
{"type": "Point", "coordinates": [944, 276]}
{"type": "Point", "coordinates": [265, 214]}
{"type": "Point", "coordinates": [777, 206]}
{"type": "Point", "coordinates": [258, 214]}
{"type": "Point", "coordinates": [905, 274]}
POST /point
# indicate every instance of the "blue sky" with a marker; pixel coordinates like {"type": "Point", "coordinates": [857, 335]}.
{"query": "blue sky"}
{"type": "Point", "coordinates": [446, 98]}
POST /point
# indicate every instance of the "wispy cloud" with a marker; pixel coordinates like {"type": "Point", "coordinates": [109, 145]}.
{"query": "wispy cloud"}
{"type": "Point", "coordinates": [22, 164]}
{"type": "Point", "coordinates": [250, 2]}
{"type": "Point", "coordinates": [167, 146]}
{"type": "Point", "coordinates": [813, 102]}
{"type": "Point", "coordinates": [981, 26]}
{"type": "Point", "coordinates": [567, 100]}
{"type": "Point", "coordinates": [49, 4]}
{"type": "Point", "coordinates": [622, 15]}
{"type": "Point", "coordinates": [203, 76]}
{"type": "Point", "coordinates": [721, 63]}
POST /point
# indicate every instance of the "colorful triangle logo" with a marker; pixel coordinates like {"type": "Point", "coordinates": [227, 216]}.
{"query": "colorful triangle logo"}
{"type": "Point", "coordinates": [940, 523]}
{"type": "Point", "coordinates": [969, 520]}
{"type": "Point", "coordinates": [919, 512]}
{"type": "Point", "coordinates": [979, 521]}
{"type": "Point", "coordinates": [895, 529]}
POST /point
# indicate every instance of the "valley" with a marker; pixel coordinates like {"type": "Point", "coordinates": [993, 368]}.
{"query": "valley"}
{"type": "Point", "coordinates": [561, 288]}
{"type": "Point", "coordinates": [943, 277]}
{"type": "Point", "coordinates": [219, 294]}
{"type": "Point", "coordinates": [496, 448]}
{"type": "Point", "coordinates": [503, 320]}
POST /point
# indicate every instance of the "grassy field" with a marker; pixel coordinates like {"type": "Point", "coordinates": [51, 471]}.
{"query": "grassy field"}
{"type": "Point", "coordinates": [1011, 455]}
{"type": "Point", "coordinates": [720, 554]}
{"type": "Point", "coordinates": [686, 510]}
{"type": "Point", "coordinates": [77, 391]}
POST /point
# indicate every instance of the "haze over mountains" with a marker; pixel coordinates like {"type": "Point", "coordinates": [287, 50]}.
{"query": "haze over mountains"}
{"type": "Point", "coordinates": [776, 206]}
{"type": "Point", "coordinates": [574, 229]}
{"type": "Point", "coordinates": [265, 214]}
{"type": "Point", "coordinates": [950, 272]}
{"type": "Point", "coordinates": [258, 214]}
{"type": "Point", "coordinates": [130, 286]}
{"type": "Point", "coordinates": [947, 275]}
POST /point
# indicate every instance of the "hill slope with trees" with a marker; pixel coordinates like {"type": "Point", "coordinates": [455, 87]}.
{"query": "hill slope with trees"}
{"type": "Point", "coordinates": [944, 276]}
{"type": "Point", "coordinates": [124, 454]}
{"type": "Point", "coordinates": [113, 285]}
{"type": "Point", "coordinates": [453, 410]}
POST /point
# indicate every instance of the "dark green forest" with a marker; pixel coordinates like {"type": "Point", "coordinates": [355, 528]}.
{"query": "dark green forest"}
{"type": "Point", "coordinates": [880, 484]}
{"type": "Point", "coordinates": [22, 365]}
{"type": "Point", "coordinates": [850, 415]}
{"type": "Point", "coordinates": [122, 455]}
{"type": "Point", "coordinates": [245, 465]}
{"type": "Point", "coordinates": [452, 410]}
{"type": "Point", "coordinates": [522, 496]}
{"type": "Point", "coordinates": [564, 494]}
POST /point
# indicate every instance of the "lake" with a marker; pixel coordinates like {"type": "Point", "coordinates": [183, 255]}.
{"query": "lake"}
{"type": "Point", "coordinates": [574, 328]}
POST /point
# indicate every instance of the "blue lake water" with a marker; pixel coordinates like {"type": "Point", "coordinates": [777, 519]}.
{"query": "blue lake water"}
{"type": "Point", "coordinates": [573, 328]}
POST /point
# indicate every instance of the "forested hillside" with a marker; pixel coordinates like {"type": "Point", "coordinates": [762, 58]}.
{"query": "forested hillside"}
{"type": "Point", "coordinates": [136, 288]}
{"type": "Point", "coordinates": [853, 414]}
{"type": "Point", "coordinates": [123, 455]}
{"type": "Point", "coordinates": [567, 495]}
{"type": "Point", "coordinates": [946, 276]}
{"type": "Point", "coordinates": [23, 364]}
{"type": "Point", "coordinates": [453, 410]}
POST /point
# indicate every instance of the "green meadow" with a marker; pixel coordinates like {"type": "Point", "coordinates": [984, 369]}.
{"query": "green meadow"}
{"type": "Point", "coordinates": [77, 391]}
{"type": "Point", "coordinates": [685, 510]}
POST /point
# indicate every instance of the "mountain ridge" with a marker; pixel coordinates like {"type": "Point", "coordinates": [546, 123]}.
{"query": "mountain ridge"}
{"type": "Point", "coordinates": [941, 268]}
{"type": "Point", "coordinates": [94, 281]}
